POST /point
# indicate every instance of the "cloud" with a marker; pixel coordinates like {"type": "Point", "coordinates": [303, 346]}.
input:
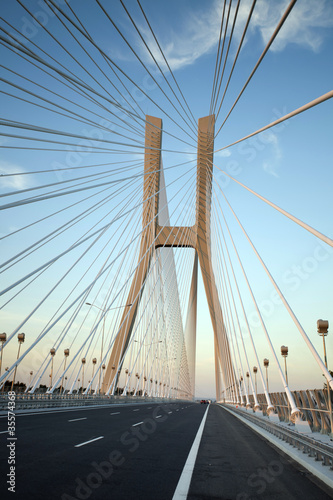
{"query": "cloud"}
{"type": "Point", "coordinates": [194, 36]}
{"type": "Point", "coordinates": [270, 138]}
{"type": "Point", "coordinates": [304, 26]}
{"type": "Point", "coordinates": [198, 33]}
{"type": "Point", "coordinates": [16, 182]}
{"type": "Point", "coordinates": [224, 154]}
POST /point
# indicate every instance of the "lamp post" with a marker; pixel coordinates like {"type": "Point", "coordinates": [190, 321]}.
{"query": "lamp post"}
{"type": "Point", "coordinates": [322, 329]}
{"type": "Point", "coordinates": [255, 369]}
{"type": "Point", "coordinates": [21, 338]}
{"type": "Point", "coordinates": [284, 353]}
{"type": "Point", "coordinates": [66, 353]}
{"type": "Point", "coordinates": [31, 374]}
{"type": "Point", "coordinates": [266, 364]}
{"type": "Point", "coordinates": [52, 352]}
{"type": "Point", "coordinates": [3, 338]}
{"type": "Point", "coordinates": [103, 330]}
{"type": "Point", "coordinates": [248, 382]}
{"type": "Point", "coordinates": [83, 363]}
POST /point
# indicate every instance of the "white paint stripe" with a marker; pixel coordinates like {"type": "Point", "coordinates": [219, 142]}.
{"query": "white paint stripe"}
{"type": "Point", "coordinates": [185, 479]}
{"type": "Point", "coordinates": [169, 412]}
{"type": "Point", "coordinates": [87, 442]}
{"type": "Point", "coordinates": [3, 432]}
{"type": "Point", "coordinates": [76, 419]}
{"type": "Point", "coordinates": [139, 423]}
{"type": "Point", "coordinates": [115, 413]}
{"type": "Point", "coordinates": [158, 416]}
{"type": "Point", "coordinates": [136, 409]}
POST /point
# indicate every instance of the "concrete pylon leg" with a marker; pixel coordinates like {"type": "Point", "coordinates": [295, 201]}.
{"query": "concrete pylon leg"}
{"type": "Point", "coordinates": [152, 162]}
{"type": "Point", "coordinates": [203, 243]}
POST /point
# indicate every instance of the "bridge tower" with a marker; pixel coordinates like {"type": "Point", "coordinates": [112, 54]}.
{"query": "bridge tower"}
{"type": "Point", "coordinates": [155, 236]}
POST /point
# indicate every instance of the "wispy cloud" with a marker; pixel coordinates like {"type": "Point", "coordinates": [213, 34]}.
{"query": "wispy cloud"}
{"type": "Point", "coordinates": [304, 26]}
{"type": "Point", "coordinates": [225, 153]}
{"type": "Point", "coordinates": [200, 29]}
{"type": "Point", "coordinates": [12, 181]}
{"type": "Point", "coordinates": [271, 166]}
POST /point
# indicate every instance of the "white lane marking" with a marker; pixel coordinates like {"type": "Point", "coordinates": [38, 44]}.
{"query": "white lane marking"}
{"type": "Point", "coordinates": [87, 442]}
{"type": "Point", "coordinates": [185, 479]}
{"type": "Point", "coordinates": [115, 413]}
{"type": "Point", "coordinates": [136, 409]}
{"type": "Point", "coordinates": [158, 416]}
{"type": "Point", "coordinates": [177, 409]}
{"type": "Point", "coordinates": [44, 411]}
{"type": "Point", "coordinates": [76, 419]}
{"type": "Point", "coordinates": [149, 408]}
{"type": "Point", "coordinates": [3, 432]}
{"type": "Point", "coordinates": [139, 423]}
{"type": "Point", "coordinates": [169, 412]}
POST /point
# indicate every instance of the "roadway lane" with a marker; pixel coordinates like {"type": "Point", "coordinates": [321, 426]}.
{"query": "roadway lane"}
{"type": "Point", "coordinates": [234, 462]}
{"type": "Point", "coordinates": [129, 452]}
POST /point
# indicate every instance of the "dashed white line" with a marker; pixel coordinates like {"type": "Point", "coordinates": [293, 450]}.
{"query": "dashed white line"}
{"type": "Point", "coordinates": [158, 416]}
{"type": "Point", "coordinates": [87, 442]}
{"type": "Point", "coordinates": [138, 423]}
{"type": "Point", "coordinates": [169, 412]}
{"type": "Point", "coordinates": [115, 413]}
{"type": "Point", "coordinates": [136, 409]}
{"type": "Point", "coordinates": [76, 419]}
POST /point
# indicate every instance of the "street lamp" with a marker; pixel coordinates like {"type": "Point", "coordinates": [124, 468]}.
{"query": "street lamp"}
{"type": "Point", "coordinates": [284, 353]}
{"type": "Point", "coordinates": [52, 352]}
{"type": "Point", "coordinates": [255, 369]}
{"type": "Point", "coordinates": [248, 382]}
{"type": "Point", "coordinates": [3, 338]}
{"type": "Point", "coordinates": [31, 374]}
{"type": "Point", "coordinates": [266, 364]}
{"type": "Point", "coordinates": [21, 338]}
{"type": "Point", "coordinates": [83, 363]}
{"type": "Point", "coordinates": [322, 329]}
{"type": "Point", "coordinates": [66, 353]}
{"type": "Point", "coordinates": [103, 368]}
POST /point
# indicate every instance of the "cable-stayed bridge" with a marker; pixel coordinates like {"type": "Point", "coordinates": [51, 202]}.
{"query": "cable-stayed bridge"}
{"type": "Point", "coordinates": [133, 206]}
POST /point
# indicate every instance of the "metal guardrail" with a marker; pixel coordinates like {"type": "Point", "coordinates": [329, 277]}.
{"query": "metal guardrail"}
{"type": "Point", "coordinates": [313, 448]}
{"type": "Point", "coordinates": [34, 401]}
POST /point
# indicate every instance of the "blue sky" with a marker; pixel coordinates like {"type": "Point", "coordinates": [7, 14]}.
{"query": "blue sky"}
{"type": "Point", "coordinates": [290, 164]}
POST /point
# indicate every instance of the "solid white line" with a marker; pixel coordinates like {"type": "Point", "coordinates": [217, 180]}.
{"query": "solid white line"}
{"type": "Point", "coordinates": [139, 423]}
{"type": "Point", "coordinates": [87, 442]}
{"type": "Point", "coordinates": [115, 413]}
{"type": "Point", "coordinates": [3, 432]}
{"type": "Point", "coordinates": [76, 419]}
{"type": "Point", "coordinates": [185, 479]}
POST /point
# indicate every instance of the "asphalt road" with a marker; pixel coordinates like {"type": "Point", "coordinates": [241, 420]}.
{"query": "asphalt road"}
{"type": "Point", "coordinates": [139, 452]}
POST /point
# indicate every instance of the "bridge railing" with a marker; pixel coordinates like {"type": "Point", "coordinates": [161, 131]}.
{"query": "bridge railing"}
{"type": "Point", "coordinates": [312, 403]}
{"type": "Point", "coordinates": [307, 444]}
{"type": "Point", "coordinates": [35, 401]}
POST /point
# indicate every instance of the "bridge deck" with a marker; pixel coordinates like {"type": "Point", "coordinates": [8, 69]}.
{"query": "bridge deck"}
{"type": "Point", "coordinates": [138, 452]}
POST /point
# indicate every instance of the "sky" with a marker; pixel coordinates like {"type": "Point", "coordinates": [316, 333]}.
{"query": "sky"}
{"type": "Point", "coordinates": [290, 164]}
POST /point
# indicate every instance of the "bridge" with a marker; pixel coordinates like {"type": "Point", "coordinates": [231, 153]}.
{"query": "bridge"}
{"type": "Point", "coordinates": [166, 240]}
